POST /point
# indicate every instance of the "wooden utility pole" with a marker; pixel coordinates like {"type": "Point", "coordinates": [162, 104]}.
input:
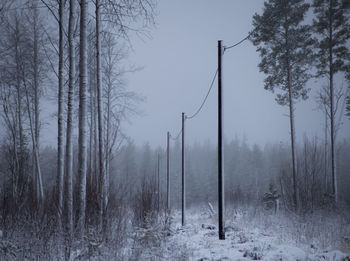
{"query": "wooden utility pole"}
{"type": "Point", "coordinates": [220, 149]}
{"type": "Point", "coordinates": [167, 172]}
{"type": "Point", "coordinates": [183, 170]}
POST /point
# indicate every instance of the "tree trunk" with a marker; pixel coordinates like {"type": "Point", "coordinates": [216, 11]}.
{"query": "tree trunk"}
{"type": "Point", "coordinates": [60, 152]}
{"type": "Point", "coordinates": [331, 92]}
{"type": "Point", "coordinates": [35, 132]}
{"type": "Point", "coordinates": [40, 192]}
{"type": "Point", "coordinates": [36, 101]}
{"type": "Point", "coordinates": [326, 150]}
{"type": "Point", "coordinates": [107, 150]}
{"type": "Point", "coordinates": [292, 137]}
{"type": "Point", "coordinates": [69, 142]}
{"type": "Point", "coordinates": [291, 117]}
{"type": "Point", "coordinates": [102, 179]}
{"type": "Point", "coordinates": [21, 152]}
{"type": "Point", "coordinates": [92, 161]}
{"type": "Point", "coordinates": [82, 161]}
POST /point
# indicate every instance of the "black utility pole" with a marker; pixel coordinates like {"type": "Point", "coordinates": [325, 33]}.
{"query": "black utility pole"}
{"type": "Point", "coordinates": [183, 169]}
{"type": "Point", "coordinates": [167, 172]}
{"type": "Point", "coordinates": [220, 149]}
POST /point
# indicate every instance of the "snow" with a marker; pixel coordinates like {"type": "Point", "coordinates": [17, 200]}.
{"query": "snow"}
{"type": "Point", "coordinates": [198, 240]}
{"type": "Point", "coordinates": [251, 234]}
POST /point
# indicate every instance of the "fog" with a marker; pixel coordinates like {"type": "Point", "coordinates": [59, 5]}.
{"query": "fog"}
{"type": "Point", "coordinates": [179, 59]}
{"type": "Point", "coordinates": [86, 172]}
{"type": "Point", "coordinates": [179, 62]}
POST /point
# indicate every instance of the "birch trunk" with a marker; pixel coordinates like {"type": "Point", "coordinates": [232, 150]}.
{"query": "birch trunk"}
{"type": "Point", "coordinates": [82, 161]}
{"type": "Point", "coordinates": [60, 153]}
{"type": "Point", "coordinates": [102, 179]}
{"type": "Point", "coordinates": [107, 149]}
{"type": "Point", "coordinates": [69, 143]}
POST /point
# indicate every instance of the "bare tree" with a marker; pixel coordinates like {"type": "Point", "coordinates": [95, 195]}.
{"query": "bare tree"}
{"type": "Point", "coordinates": [117, 15]}
{"type": "Point", "coordinates": [15, 59]}
{"type": "Point", "coordinates": [22, 71]}
{"type": "Point", "coordinates": [339, 100]}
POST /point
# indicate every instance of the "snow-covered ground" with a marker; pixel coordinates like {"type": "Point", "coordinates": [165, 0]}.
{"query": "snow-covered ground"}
{"type": "Point", "coordinates": [252, 233]}
{"type": "Point", "coordinates": [246, 239]}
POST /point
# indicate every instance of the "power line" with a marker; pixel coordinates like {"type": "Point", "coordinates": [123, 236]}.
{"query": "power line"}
{"type": "Point", "coordinates": [241, 41]}
{"type": "Point", "coordinates": [205, 99]}
{"type": "Point", "coordinates": [177, 136]}
{"type": "Point", "coordinates": [250, 33]}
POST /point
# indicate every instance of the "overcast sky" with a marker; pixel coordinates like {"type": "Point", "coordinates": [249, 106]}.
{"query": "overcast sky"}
{"type": "Point", "coordinates": [179, 63]}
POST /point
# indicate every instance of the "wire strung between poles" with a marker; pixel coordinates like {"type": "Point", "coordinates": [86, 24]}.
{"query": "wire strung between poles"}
{"type": "Point", "coordinates": [177, 136]}
{"type": "Point", "coordinates": [205, 99]}
{"type": "Point", "coordinates": [241, 41]}
{"type": "Point", "coordinates": [250, 33]}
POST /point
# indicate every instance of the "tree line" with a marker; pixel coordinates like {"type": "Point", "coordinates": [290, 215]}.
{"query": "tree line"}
{"type": "Point", "coordinates": [249, 172]}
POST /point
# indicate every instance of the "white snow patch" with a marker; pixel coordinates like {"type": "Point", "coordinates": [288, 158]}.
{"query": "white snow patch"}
{"type": "Point", "coordinates": [198, 240]}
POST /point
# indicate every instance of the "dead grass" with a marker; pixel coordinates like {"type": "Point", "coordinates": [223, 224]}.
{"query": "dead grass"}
{"type": "Point", "coordinates": [324, 229]}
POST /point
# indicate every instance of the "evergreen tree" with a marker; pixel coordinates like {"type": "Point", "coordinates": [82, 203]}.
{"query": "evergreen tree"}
{"type": "Point", "coordinates": [332, 27]}
{"type": "Point", "coordinates": [284, 44]}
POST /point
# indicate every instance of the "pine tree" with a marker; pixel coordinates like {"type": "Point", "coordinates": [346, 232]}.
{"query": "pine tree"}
{"type": "Point", "coordinates": [332, 27]}
{"type": "Point", "coordinates": [284, 44]}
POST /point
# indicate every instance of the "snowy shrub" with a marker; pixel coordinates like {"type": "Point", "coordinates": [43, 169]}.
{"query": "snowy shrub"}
{"type": "Point", "coordinates": [270, 199]}
{"type": "Point", "coordinates": [154, 229]}
{"type": "Point", "coordinates": [253, 254]}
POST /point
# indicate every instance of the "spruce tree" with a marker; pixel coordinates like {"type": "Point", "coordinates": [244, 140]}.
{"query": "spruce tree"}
{"type": "Point", "coordinates": [284, 44]}
{"type": "Point", "coordinates": [332, 28]}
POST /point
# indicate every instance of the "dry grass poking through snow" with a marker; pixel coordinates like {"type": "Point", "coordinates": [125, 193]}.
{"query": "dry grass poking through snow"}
{"type": "Point", "coordinates": [322, 229]}
{"type": "Point", "coordinates": [255, 234]}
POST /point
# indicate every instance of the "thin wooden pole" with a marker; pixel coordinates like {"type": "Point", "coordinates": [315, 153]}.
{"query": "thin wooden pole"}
{"type": "Point", "coordinates": [158, 183]}
{"type": "Point", "coordinates": [167, 172]}
{"type": "Point", "coordinates": [183, 170]}
{"type": "Point", "coordinates": [220, 149]}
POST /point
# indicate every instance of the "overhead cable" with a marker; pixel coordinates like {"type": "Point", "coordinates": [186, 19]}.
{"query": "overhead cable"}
{"type": "Point", "coordinates": [205, 99]}
{"type": "Point", "coordinates": [177, 136]}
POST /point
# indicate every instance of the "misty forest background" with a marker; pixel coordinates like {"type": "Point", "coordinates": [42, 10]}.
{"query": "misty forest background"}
{"type": "Point", "coordinates": [97, 184]}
